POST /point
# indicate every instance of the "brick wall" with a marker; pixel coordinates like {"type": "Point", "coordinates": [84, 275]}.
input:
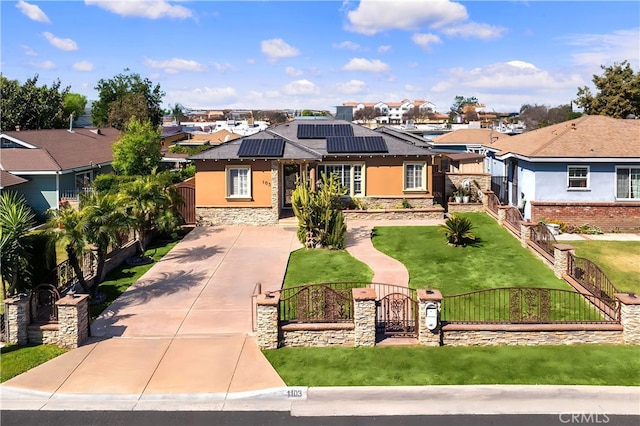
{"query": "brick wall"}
{"type": "Point", "coordinates": [624, 216]}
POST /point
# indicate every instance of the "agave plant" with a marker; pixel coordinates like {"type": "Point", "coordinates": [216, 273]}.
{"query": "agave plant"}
{"type": "Point", "coordinates": [458, 230]}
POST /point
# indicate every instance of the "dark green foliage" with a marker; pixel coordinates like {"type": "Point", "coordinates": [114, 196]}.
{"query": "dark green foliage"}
{"type": "Point", "coordinates": [110, 182]}
{"type": "Point", "coordinates": [43, 259]}
{"type": "Point", "coordinates": [458, 230]}
{"type": "Point", "coordinates": [137, 151]}
{"type": "Point", "coordinates": [74, 103]}
{"type": "Point", "coordinates": [190, 150]}
{"type": "Point", "coordinates": [618, 93]}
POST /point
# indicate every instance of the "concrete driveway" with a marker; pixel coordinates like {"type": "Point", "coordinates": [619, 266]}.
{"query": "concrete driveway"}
{"type": "Point", "coordinates": [183, 328]}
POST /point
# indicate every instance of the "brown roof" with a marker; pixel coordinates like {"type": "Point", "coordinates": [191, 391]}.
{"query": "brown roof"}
{"type": "Point", "coordinates": [59, 149]}
{"type": "Point", "coordinates": [7, 179]}
{"type": "Point", "coordinates": [470, 136]}
{"type": "Point", "coordinates": [590, 136]}
{"type": "Point", "coordinates": [461, 156]}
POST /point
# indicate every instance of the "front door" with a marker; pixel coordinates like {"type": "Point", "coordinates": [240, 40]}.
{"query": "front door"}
{"type": "Point", "coordinates": [290, 175]}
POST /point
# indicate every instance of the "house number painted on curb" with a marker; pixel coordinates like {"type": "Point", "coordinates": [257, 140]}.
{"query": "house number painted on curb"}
{"type": "Point", "coordinates": [295, 393]}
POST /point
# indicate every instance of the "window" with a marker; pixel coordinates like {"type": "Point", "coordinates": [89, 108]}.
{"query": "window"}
{"type": "Point", "coordinates": [415, 178]}
{"type": "Point", "coordinates": [239, 182]}
{"type": "Point", "coordinates": [628, 183]}
{"type": "Point", "coordinates": [351, 176]}
{"type": "Point", "coordinates": [84, 180]}
{"type": "Point", "coordinates": [578, 177]}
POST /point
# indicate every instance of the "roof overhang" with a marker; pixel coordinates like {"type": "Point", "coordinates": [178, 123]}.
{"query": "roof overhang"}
{"type": "Point", "coordinates": [569, 159]}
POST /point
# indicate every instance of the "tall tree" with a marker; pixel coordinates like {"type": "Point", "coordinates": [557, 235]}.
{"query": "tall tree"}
{"type": "Point", "coordinates": [74, 103]}
{"type": "Point", "coordinates": [618, 93]}
{"type": "Point", "coordinates": [116, 88]}
{"type": "Point", "coordinates": [178, 112]}
{"type": "Point", "coordinates": [464, 107]}
{"type": "Point", "coordinates": [137, 151]}
{"type": "Point", "coordinates": [31, 106]}
{"type": "Point", "coordinates": [16, 218]}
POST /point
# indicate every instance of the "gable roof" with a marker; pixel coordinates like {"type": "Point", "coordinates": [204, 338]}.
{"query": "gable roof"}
{"type": "Point", "coordinates": [58, 149]}
{"type": "Point", "coordinates": [313, 149]}
{"type": "Point", "coordinates": [7, 179]}
{"type": "Point", "coordinates": [485, 137]}
{"type": "Point", "coordinates": [590, 136]}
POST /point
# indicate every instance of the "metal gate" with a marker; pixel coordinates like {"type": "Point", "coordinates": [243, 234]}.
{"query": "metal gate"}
{"type": "Point", "coordinates": [397, 315]}
{"type": "Point", "coordinates": [438, 188]}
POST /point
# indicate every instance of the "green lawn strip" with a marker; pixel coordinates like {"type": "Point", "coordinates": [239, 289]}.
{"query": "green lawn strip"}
{"type": "Point", "coordinates": [619, 260]}
{"type": "Point", "coordinates": [119, 280]}
{"type": "Point", "coordinates": [496, 259]}
{"type": "Point", "coordinates": [323, 265]}
{"type": "Point", "coordinates": [416, 366]}
{"type": "Point", "coordinates": [17, 359]}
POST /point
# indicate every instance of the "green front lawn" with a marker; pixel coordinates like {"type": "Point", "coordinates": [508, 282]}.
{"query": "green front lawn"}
{"type": "Point", "coordinates": [322, 265]}
{"type": "Point", "coordinates": [18, 359]}
{"type": "Point", "coordinates": [619, 260]}
{"type": "Point", "coordinates": [418, 366]}
{"type": "Point", "coordinates": [496, 259]}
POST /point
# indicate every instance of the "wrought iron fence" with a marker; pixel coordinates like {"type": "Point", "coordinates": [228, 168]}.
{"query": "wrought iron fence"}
{"type": "Point", "coordinates": [323, 302]}
{"type": "Point", "coordinates": [3, 336]}
{"type": "Point", "coordinates": [591, 277]}
{"type": "Point", "coordinates": [524, 305]}
{"type": "Point", "coordinates": [513, 217]}
{"type": "Point", "coordinates": [543, 238]}
{"type": "Point", "coordinates": [64, 277]}
{"type": "Point", "coordinates": [499, 186]}
{"type": "Point", "coordinates": [493, 204]}
{"type": "Point", "coordinates": [43, 304]}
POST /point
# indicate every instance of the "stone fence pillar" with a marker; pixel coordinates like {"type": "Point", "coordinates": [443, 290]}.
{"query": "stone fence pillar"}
{"type": "Point", "coordinates": [485, 199]}
{"type": "Point", "coordinates": [267, 320]}
{"type": "Point", "coordinates": [502, 214]}
{"type": "Point", "coordinates": [17, 314]}
{"type": "Point", "coordinates": [428, 337]}
{"type": "Point", "coordinates": [561, 258]}
{"type": "Point", "coordinates": [73, 320]}
{"type": "Point", "coordinates": [525, 232]}
{"type": "Point", "coordinates": [630, 317]}
{"type": "Point", "coordinates": [364, 316]}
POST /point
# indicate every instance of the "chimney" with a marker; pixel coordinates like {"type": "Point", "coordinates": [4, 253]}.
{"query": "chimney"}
{"type": "Point", "coordinates": [18, 128]}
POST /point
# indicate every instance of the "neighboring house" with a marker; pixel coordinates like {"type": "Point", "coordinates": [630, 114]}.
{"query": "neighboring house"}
{"type": "Point", "coordinates": [393, 112]}
{"type": "Point", "coordinates": [581, 171]}
{"type": "Point", "coordinates": [250, 180]}
{"type": "Point", "coordinates": [465, 149]}
{"type": "Point", "coordinates": [54, 164]}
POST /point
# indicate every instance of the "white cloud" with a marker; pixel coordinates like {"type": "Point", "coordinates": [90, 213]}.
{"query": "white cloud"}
{"type": "Point", "coordinates": [426, 40]}
{"type": "Point", "coordinates": [204, 97]}
{"type": "Point", "coordinates": [175, 65]}
{"type": "Point", "coordinates": [412, 88]}
{"type": "Point", "coordinates": [348, 45]}
{"type": "Point", "coordinates": [475, 30]}
{"type": "Point", "coordinates": [605, 49]}
{"type": "Point", "coordinates": [362, 64]}
{"type": "Point", "coordinates": [61, 43]}
{"type": "Point", "coordinates": [384, 49]}
{"type": "Point", "coordinates": [32, 12]}
{"type": "Point", "coordinates": [300, 87]}
{"type": "Point", "coordinates": [251, 61]}
{"type": "Point", "coordinates": [151, 9]}
{"type": "Point", "coordinates": [351, 87]}
{"type": "Point", "coordinates": [83, 66]}
{"type": "Point", "coordinates": [28, 50]}
{"type": "Point", "coordinates": [222, 68]}
{"type": "Point", "coordinates": [276, 49]}
{"type": "Point", "coordinates": [374, 16]}
{"type": "Point", "coordinates": [46, 65]}
{"type": "Point", "coordinates": [293, 72]}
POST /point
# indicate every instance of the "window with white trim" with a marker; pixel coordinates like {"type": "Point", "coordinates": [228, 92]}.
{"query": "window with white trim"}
{"type": "Point", "coordinates": [351, 176]}
{"type": "Point", "coordinates": [239, 182]}
{"type": "Point", "coordinates": [627, 183]}
{"type": "Point", "coordinates": [578, 177]}
{"type": "Point", "coordinates": [415, 178]}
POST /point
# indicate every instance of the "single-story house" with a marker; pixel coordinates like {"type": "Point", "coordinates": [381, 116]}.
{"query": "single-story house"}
{"type": "Point", "coordinates": [250, 180]}
{"type": "Point", "coordinates": [466, 141]}
{"type": "Point", "coordinates": [53, 164]}
{"type": "Point", "coordinates": [582, 171]}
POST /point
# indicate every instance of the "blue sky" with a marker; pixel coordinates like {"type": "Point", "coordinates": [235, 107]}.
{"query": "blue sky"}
{"type": "Point", "coordinates": [316, 55]}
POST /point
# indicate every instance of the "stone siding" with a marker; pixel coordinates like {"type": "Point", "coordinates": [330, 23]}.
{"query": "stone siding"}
{"type": "Point", "coordinates": [318, 335]}
{"type": "Point", "coordinates": [267, 321]}
{"type": "Point", "coordinates": [47, 334]}
{"type": "Point", "coordinates": [623, 215]}
{"type": "Point", "coordinates": [364, 316]}
{"type": "Point", "coordinates": [211, 216]}
{"type": "Point", "coordinates": [454, 180]}
{"type": "Point", "coordinates": [73, 320]}
{"type": "Point", "coordinates": [630, 318]}
{"type": "Point", "coordinates": [17, 317]}
{"type": "Point", "coordinates": [389, 203]}
{"type": "Point", "coordinates": [395, 214]}
{"type": "Point", "coordinates": [464, 207]}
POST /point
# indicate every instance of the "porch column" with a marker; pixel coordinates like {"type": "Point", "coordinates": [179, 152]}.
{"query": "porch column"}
{"type": "Point", "coordinates": [561, 258]}
{"type": "Point", "coordinates": [73, 320]}
{"type": "Point", "coordinates": [267, 320]}
{"type": "Point", "coordinates": [629, 317]}
{"type": "Point", "coordinates": [364, 316]}
{"type": "Point", "coordinates": [485, 199]}
{"type": "Point", "coordinates": [17, 317]}
{"type": "Point", "coordinates": [525, 233]}
{"type": "Point", "coordinates": [429, 298]}
{"type": "Point", "coordinates": [502, 214]}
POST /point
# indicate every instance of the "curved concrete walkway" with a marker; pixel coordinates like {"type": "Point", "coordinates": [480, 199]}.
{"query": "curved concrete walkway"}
{"type": "Point", "coordinates": [386, 270]}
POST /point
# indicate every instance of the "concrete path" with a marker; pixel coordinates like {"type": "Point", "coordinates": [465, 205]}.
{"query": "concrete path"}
{"type": "Point", "coordinates": [182, 328]}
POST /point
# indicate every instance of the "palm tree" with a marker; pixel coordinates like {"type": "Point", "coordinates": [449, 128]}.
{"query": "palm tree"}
{"type": "Point", "coordinates": [105, 218]}
{"type": "Point", "coordinates": [68, 226]}
{"type": "Point", "coordinates": [16, 218]}
{"type": "Point", "coordinates": [458, 230]}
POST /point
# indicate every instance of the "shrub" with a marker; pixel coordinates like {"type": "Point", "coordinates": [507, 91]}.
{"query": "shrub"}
{"type": "Point", "coordinates": [458, 230]}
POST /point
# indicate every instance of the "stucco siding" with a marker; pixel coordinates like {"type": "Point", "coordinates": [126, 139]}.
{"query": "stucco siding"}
{"type": "Point", "coordinates": [40, 192]}
{"type": "Point", "coordinates": [211, 189]}
{"type": "Point", "coordinates": [551, 183]}
{"type": "Point", "coordinates": [385, 176]}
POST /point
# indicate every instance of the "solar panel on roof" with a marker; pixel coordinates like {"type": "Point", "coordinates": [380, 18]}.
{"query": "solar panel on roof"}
{"type": "Point", "coordinates": [261, 148]}
{"type": "Point", "coordinates": [342, 130]}
{"type": "Point", "coordinates": [306, 131]}
{"type": "Point", "coordinates": [356, 144]}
